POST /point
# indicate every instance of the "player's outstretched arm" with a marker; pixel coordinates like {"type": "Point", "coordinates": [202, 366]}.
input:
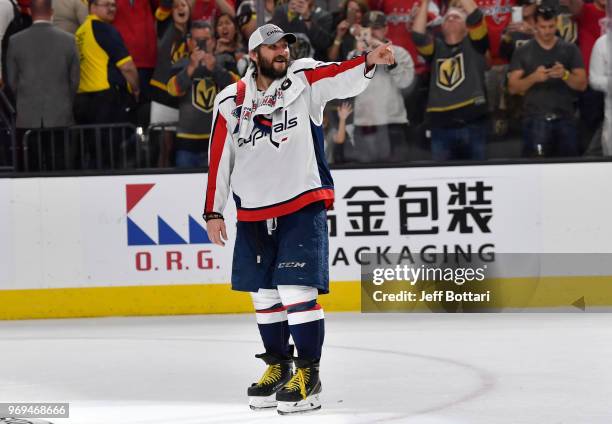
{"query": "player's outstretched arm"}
{"type": "Point", "coordinates": [216, 231]}
{"type": "Point", "coordinates": [342, 80]}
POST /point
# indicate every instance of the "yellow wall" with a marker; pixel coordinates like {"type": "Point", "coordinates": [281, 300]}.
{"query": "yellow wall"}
{"type": "Point", "coordinates": [220, 299]}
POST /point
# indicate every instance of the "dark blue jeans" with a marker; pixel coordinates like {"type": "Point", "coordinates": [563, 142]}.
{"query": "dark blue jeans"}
{"type": "Point", "coordinates": [467, 142]}
{"type": "Point", "coordinates": [549, 137]}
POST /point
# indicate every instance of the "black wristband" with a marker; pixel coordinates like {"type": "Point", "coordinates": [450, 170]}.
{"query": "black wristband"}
{"type": "Point", "coordinates": [211, 215]}
{"type": "Point", "coordinates": [367, 68]}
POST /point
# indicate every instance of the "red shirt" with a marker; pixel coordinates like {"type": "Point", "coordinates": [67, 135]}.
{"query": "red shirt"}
{"type": "Point", "coordinates": [207, 10]}
{"type": "Point", "coordinates": [136, 24]}
{"type": "Point", "coordinates": [399, 14]}
{"type": "Point", "coordinates": [590, 28]}
{"type": "Point", "coordinates": [498, 14]}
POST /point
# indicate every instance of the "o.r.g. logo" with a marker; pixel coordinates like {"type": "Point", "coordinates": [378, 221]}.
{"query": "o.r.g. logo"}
{"type": "Point", "coordinates": [155, 259]}
{"type": "Point", "coordinates": [134, 193]}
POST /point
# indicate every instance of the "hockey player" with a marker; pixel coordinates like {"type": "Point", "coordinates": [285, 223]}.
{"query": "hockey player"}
{"type": "Point", "coordinates": [267, 143]}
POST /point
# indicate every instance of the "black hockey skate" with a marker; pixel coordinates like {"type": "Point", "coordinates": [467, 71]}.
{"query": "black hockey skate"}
{"type": "Point", "coordinates": [262, 394]}
{"type": "Point", "coordinates": [301, 393]}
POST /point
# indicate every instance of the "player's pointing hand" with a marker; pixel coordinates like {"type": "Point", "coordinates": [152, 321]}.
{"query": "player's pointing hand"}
{"type": "Point", "coordinates": [381, 55]}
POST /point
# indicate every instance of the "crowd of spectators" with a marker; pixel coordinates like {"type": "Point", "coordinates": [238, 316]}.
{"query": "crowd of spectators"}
{"type": "Point", "coordinates": [467, 72]}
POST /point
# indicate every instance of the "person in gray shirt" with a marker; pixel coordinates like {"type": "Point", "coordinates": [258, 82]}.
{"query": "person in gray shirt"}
{"type": "Point", "coordinates": [548, 72]}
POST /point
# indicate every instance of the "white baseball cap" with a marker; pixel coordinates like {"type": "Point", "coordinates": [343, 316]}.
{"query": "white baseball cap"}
{"type": "Point", "coordinates": [456, 12]}
{"type": "Point", "coordinates": [269, 34]}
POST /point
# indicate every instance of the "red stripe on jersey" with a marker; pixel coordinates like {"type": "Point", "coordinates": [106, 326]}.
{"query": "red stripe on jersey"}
{"type": "Point", "coordinates": [216, 150]}
{"type": "Point", "coordinates": [296, 204]}
{"type": "Point", "coordinates": [240, 91]}
{"type": "Point", "coordinates": [329, 71]}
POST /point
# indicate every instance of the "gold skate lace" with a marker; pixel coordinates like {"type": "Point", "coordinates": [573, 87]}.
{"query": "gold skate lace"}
{"type": "Point", "coordinates": [271, 375]}
{"type": "Point", "coordinates": [298, 381]}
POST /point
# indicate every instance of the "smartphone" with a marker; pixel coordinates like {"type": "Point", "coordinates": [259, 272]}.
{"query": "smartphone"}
{"type": "Point", "coordinates": [549, 65]}
{"type": "Point", "coordinates": [517, 14]}
{"type": "Point", "coordinates": [366, 36]}
{"type": "Point", "coordinates": [202, 45]}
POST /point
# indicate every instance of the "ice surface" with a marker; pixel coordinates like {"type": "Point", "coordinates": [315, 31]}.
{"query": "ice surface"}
{"type": "Point", "coordinates": [376, 368]}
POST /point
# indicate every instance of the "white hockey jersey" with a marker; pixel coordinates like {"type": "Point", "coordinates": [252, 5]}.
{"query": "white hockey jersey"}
{"type": "Point", "coordinates": [277, 166]}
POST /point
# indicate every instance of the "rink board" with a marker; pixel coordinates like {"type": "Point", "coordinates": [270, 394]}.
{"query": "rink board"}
{"type": "Point", "coordinates": [550, 292]}
{"type": "Point", "coordinates": [136, 245]}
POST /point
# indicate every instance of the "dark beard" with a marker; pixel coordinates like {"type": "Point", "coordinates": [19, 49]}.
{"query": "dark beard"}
{"type": "Point", "coordinates": [267, 69]}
